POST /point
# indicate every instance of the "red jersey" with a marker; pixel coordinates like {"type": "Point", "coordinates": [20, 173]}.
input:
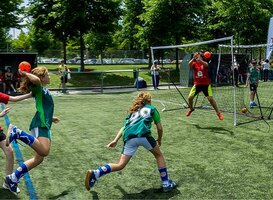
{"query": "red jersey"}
{"type": "Point", "coordinates": [201, 74]}
{"type": "Point", "coordinates": [4, 98]}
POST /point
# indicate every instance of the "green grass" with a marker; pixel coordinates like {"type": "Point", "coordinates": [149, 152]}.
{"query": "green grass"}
{"type": "Point", "coordinates": [208, 158]}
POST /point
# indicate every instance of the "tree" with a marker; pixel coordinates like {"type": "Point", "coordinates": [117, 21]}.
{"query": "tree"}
{"type": "Point", "coordinates": [169, 21]}
{"type": "Point", "coordinates": [9, 12]}
{"type": "Point", "coordinates": [247, 20]}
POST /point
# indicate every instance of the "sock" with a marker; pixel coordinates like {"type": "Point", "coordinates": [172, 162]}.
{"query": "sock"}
{"type": "Point", "coordinates": [164, 175]}
{"type": "Point", "coordinates": [102, 171]}
{"type": "Point", "coordinates": [25, 137]}
{"type": "Point", "coordinates": [20, 171]}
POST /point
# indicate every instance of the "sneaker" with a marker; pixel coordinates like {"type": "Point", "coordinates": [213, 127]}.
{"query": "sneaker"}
{"type": "Point", "coordinates": [189, 112]}
{"type": "Point", "coordinates": [171, 185]}
{"type": "Point", "coordinates": [90, 179]}
{"type": "Point", "coordinates": [6, 187]}
{"type": "Point", "coordinates": [220, 116]}
{"type": "Point", "coordinates": [12, 186]}
{"type": "Point", "coordinates": [11, 134]}
{"type": "Point", "coordinates": [254, 104]}
{"type": "Point", "coordinates": [251, 105]}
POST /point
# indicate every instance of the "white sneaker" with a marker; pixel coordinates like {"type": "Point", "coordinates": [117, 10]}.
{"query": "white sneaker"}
{"type": "Point", "coordinates": [6, 187]}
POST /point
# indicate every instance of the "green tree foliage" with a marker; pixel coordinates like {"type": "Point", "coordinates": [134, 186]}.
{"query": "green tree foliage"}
{"type": "Point", "coordinates": [247, 20]}
{"type": "Point", "coordinates": [22, 42]}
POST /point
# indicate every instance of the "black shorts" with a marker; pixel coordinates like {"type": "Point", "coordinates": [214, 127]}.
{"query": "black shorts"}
{"type": "Point", "coordinates": [2, 136]}
{"type": "Point", "coordinates": [64, 79]}
{"type": "Point", "coordinates": [253, 87]}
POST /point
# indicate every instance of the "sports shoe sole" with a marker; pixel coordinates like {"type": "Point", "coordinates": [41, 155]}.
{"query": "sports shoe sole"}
{"type": "Point", "coordinates": [6, 187]}
{"type": "Point", "coordinates": [87, 179]}
{"type": "Point", "coordinates": [8, 134]}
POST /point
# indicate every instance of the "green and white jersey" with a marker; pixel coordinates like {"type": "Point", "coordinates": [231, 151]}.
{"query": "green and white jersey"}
{"type": "Point", "coordinates": [254, 75]}
{"type": "Point", "coordinates": [44, 105]}
{"type": "Point", "coordinates": [138, 124]}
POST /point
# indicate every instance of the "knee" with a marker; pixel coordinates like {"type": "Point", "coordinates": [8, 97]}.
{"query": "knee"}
{"type": "Point", "coordinates": [43, 153]}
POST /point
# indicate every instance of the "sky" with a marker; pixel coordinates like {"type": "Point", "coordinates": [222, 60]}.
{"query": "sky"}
{"type": "Point", "coordinates": [15, 32]}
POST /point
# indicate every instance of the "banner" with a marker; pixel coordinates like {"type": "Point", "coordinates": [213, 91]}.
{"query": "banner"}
{"type": "Point", "coordinates": [269, 39]}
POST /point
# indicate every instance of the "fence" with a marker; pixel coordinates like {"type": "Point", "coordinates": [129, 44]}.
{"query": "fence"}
{"type": "Point", "coordinates": [115, 80]}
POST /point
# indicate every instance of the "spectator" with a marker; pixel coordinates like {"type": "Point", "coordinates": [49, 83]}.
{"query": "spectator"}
{"type": "Point", "coordinates": [9, 80]}
{"type": "Point", "coordinates": [2, 81]}
{"type": "Point", "coordinates": [63, 72]}
{"type": "Point", "coordinates": [155, 74]}
{"type": "Point", "coordinates": [265, 67]}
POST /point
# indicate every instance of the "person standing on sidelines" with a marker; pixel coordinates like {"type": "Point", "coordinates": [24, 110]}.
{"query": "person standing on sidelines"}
{"type": "Point", "coordinates": [8, 151]}
{"type": "Point", "coordinates": [136, 132]}
{"type": "Point", "coordinates": [155, 74]}
{"type": "Point", "coordinates": [40, 127]}
{"type": "Point", "coordinates": [265, 67]}
{"type": "Point", "coordinates": [201, 83]}
{"type": "Point", "coordinates": [253, 81]}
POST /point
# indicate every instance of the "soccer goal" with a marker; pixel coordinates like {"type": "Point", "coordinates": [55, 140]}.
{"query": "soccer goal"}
{"type": "Point", "coordinates": [229, 89]}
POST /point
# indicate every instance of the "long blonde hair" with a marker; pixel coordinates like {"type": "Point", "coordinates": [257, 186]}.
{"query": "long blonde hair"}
{"type": "Point", "coordinates": [141, 99]}
{"type": "Point", "coordinates": [26, 83]}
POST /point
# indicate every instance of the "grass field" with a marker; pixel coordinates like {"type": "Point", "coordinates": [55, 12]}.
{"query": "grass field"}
{"type": "Point", "coordinates": [208, 158]}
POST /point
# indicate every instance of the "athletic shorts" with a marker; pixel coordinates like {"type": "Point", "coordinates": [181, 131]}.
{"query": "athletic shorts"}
{"type": "Point", "coordinates": [253, 87]}
{"type": "Point", "coordinates": [196, 89]}
{"type": "Point", "coordinates": [41, 132]}
{"type": "Point", "coordinates": [130, 146]}
{"type": "Point", "coordinates": [2, 136]}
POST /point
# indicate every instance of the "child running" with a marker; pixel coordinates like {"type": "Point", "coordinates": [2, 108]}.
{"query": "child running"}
{"type": "Point", "coordinates": [136, 132]}
{"type": "Point", "coordinates": [40, 127]}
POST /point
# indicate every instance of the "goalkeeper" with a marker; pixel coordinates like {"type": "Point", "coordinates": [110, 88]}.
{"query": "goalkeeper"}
{"type": "Point", "coordinates": [201, 83]}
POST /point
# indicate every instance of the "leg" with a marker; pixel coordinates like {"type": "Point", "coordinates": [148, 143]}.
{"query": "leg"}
{"type": "Point", "coordinates": [161, 164]}
{"type": "Point", "coordinates": [192, 94]}
{"type": "Point", "coordinates": [8, 151]}
{"type": "Point", "coordinates": [93, 175]}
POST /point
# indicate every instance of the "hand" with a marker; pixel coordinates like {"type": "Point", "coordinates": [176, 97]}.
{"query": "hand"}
{"type": "Point", "coordinates": [55, 120]}
{"type": "Point", "coordinates": [5, 111]}
{"type": "Point", "coordinates": [112, 144]}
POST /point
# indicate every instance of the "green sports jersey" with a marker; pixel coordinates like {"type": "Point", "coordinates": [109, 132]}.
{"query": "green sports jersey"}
{"type": "Point", "coordinates": [45, 107]}
{"type": "Point", "coordinates": [138, 124]}
{"type": "Point", "coordinates": [254, 75]}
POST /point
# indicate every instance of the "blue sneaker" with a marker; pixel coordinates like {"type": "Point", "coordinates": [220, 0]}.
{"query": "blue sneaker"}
{"type": "Point", "coordinates": [171, 185]}
{"type": "Point", "coordinates": [11, 134]}
{"type": "Point", "coordinates": [6, 187]}
{"type": "Point", "coordinates": [12, 186]}
{"type": "Point", "coordinates": [254, 104]}
{"type": "Point", "coordinates": [90, 179]}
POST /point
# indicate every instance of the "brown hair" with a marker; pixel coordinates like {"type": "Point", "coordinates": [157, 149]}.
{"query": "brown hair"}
{"type": "Point", "coordinates": [25, 84]}
{"type": "Point", "coordinates": [141, 99]}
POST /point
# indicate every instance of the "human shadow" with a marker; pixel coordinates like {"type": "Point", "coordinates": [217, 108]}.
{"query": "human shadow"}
{"type": "Point", "coordinates": [6, 194]}
{"type": "Point", "coordinates": [215, 129]}
{"type": "Point", "coordinates": [151, 193]}
{"type": "Point", "coordinates": [64, 193]}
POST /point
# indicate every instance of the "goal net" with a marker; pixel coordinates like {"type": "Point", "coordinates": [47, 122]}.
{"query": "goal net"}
{"type": "Point", "coordinates": [228, 72]}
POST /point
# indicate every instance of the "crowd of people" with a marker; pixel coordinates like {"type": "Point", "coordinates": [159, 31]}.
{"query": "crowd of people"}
{"type": "Point", "coordinates": [9, 81]}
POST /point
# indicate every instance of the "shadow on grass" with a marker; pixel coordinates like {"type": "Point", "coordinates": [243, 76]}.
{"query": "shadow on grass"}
{"type": "Point", "coordinates": [6, 194]}
{"type": "Point", "coordinates": [149, 194]}
{"type": "Point", "coordinates": [64, 193]}
{"type": "Point", "coordinates": [217, 129]}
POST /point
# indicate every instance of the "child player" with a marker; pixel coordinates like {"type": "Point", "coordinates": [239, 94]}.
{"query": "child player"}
{"type": "Point", "coordinates": [201, 83]}
{"type": "Point", "coordinates": [8, 150]}
{"type": "Point", "coordinates": [136, 132]}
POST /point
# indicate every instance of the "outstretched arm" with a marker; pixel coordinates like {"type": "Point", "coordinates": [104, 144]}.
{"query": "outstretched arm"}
{"type": "Point", "coordinates": [20, 97]}
{"type": "Point", "coordinates": [115, 141]}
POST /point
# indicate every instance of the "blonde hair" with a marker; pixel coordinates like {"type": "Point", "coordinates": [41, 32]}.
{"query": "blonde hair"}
{"type": "Point", "coordinates": [25, 84]}
{"type": "Point", "coordinates": [141, 99]}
